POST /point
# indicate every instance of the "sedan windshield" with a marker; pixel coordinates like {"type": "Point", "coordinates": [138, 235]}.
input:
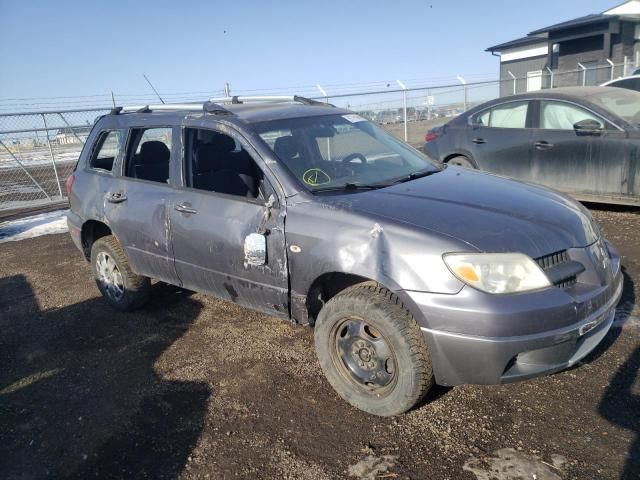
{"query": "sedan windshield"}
{"type": "Point", "coordinates": [335, 152]}
{"type": "Point", "coordinates": [619, 102]}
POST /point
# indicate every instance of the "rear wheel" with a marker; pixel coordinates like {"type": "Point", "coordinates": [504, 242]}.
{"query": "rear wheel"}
{"type": "Point", "coordinates": [372, 351]}
{"type": "Point", "coordinates": [123, 289]}
{"type": "Point", "coordinates": [460, 161]}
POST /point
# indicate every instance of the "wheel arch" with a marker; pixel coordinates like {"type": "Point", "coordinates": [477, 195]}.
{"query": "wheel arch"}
{"type": "Point", "coordinates": [465, 154]}
{"type": "Point", "coordinates": [329, 284]}
{"type": "Point", "coordinates": [91, 231]}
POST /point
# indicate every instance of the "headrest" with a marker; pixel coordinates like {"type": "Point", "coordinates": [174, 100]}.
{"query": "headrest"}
{"type": "Point", "coordinates": [286, 147]}
{"type": "Point", "coordinates": [154, 151]}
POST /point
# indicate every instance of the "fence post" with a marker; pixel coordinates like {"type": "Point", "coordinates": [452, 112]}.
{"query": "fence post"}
{"type": "Point", "coordinates": [404, 108]}
{"type": "Point", "coordinates": [24, 169]}
{"type": "Point", "coordinates": [464, 83]}
{"type": "Point", "coordinates": [550, 77]}
{"type": "Point", "coordinates": [612, 67]}
{"type": "Point", "coordinates": [53, 160]}
{"type": "Point", "coordinates": [514, 81]}
{"type": "Point", "coordinates": [584, 74]}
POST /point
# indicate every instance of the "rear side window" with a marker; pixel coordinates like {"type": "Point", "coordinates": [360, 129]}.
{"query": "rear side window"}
{"type": "Point", "coordinates": [148, 154]}
{"type": "Point", "coordinates": [106, 151]}
{"type": "Point", "coordinates": [510, 115]}
{"type": "Point", "coordinates": [562, 116]}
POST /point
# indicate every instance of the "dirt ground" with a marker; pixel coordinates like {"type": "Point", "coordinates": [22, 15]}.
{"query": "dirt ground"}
{"type": "Point", "coordinates": [194, 387]}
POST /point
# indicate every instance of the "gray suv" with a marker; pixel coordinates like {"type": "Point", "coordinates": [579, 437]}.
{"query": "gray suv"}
{"type": "Point", "coordinates": [411, 272]}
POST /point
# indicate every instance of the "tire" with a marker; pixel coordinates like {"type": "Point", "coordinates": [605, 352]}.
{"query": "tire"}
{"type": "Point", "coordinates": [366, 330]}
{"type": "Point", "coordinates": [123, 289]}
{"type": "Point", "coordinates": [461, 161]}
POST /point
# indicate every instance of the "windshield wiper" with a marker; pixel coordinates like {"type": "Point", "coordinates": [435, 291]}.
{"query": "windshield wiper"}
{"type": "Point", "coordinates": [351, 187]}
{"type": "Point", "coordinates": [414, 175]}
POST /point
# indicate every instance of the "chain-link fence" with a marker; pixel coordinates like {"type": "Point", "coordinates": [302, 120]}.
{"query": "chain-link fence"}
{"type": "Point", "coordinates": [38, 150]}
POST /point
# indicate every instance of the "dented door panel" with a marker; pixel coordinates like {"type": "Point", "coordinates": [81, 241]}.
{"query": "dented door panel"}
{"type": "Point", "coordinates": [209, 250]}
{"type": "Point", "coordinates": [142, 226]}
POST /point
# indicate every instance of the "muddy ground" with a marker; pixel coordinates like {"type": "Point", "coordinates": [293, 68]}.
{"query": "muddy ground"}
{"type": "Point", "coordinates": [194, 387]}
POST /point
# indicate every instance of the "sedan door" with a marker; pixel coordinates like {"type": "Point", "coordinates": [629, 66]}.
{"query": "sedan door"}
{"type": "Point", "coordinates": [499, 139]}
{"type": "Point", "coordinates": [589, 164]}
{"type": "Point", "coordinates": [227, 230]}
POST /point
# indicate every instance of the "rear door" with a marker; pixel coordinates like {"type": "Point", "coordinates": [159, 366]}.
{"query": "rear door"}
{"type": "Point", "coordinates": [136, 202]}
{"type": "Point", "coordinates": [499, 139]}
{"type": "Point", "coordinates": [223, 198]}
{"type": "Point", "coordinates": [580, 164]}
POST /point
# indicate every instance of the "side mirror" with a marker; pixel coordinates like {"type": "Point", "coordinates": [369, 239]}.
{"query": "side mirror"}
{"type": "Point", "coordinates": [588, 126]}
{"type": "Point", "coordinates": [255, 249]}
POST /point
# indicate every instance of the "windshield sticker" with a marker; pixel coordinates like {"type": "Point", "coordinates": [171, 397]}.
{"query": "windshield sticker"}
{"type": "Point", "coordinates": [353, 118]}
{"type": "Point", "coordinates": [315, 177]}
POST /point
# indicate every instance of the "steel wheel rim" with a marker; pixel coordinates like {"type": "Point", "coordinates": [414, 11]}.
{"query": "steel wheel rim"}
{"type": "Point", "coordinates": [109, 276]}
{"type": "Point", "coordinates": [363, 356]}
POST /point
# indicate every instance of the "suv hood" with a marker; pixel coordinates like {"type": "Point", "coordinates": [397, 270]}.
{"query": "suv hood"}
{"type": "Point", "coordinates": [488, 212]}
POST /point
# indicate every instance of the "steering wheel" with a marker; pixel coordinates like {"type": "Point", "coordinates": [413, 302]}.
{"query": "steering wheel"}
{"type": "Point", "coordinates": [354, 156]}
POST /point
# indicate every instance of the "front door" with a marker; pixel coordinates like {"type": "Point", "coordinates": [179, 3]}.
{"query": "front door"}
{"type": "Point", "coordinates": [136, 203]}
{"type": "Point", "coordinates": [581, 164]}
{"type": "Point", "coordinates": [224, 198]}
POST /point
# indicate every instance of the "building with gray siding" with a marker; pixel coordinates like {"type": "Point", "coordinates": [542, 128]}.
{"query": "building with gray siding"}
{"type": "Point", "coordinates": [588, 50]}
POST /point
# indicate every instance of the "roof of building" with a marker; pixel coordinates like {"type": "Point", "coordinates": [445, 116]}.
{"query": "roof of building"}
{"type": "Point", "coordinates": [627, 10]}
{"type": "Point", "coordinates": [518, 42]}
{"type": "Point", "coordinates": [577, 22]}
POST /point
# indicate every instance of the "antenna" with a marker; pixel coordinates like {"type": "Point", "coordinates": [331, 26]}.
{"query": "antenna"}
{"type": "Point", "coordinates": [153, 88]}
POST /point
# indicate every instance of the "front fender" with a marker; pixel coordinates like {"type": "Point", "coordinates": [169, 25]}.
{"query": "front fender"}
{"type": "Point", "coordinates": [322, 239]}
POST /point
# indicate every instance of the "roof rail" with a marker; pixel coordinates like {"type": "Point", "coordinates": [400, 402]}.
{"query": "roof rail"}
{"type": "Point", "coordinates": [207, 107]}
{"type": "Point", "coordinates": [269, 98]}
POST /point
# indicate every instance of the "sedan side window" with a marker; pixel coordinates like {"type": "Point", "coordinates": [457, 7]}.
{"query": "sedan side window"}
{"type": "Point", "coordinates": [562, 116]}
{"type": "Point", "coordinates": [508, 115]}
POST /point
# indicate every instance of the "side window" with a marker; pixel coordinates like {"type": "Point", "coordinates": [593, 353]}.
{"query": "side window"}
{"type": "Point", "coordinates": [482, 118]}
{"type": "Point", "coordinates": [106, 150]}
{"type": "Point", "coordinates": [215, 162]}
{"type": "Point", "coordinates": [509, 115]}
{"type": "Point", "coordinates": [148, 154]}
{"type": "Point", "coordinates": [562, 116]}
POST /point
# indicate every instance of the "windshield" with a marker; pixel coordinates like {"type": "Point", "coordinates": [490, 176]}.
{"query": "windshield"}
{"type": "Point", "coordinates": [342, 151]}
{"type": "Point", "coordinates": [620, 102]}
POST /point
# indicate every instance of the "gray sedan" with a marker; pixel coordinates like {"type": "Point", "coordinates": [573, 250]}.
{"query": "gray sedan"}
{"type": "Point", "coordinates": [584, 141]}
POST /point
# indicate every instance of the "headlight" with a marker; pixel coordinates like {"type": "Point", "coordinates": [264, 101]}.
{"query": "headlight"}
{"type": "Point", "coordinates": [497, 272]}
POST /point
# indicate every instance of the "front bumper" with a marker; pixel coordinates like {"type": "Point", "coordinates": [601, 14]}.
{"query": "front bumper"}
{"type": "Point", "coordinates": [516, 337]}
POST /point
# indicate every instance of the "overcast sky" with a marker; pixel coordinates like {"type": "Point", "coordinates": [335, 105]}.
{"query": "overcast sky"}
{"type": "Point", "coordinates": [68, 48]}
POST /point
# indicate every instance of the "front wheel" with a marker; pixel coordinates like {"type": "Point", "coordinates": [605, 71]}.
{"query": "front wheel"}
{"type": "Point", "coordinates": [372, 351]}
{"type": "Point", "coordinates": [120, 286]}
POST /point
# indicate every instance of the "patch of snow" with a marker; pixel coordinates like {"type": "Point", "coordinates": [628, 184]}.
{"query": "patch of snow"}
{"type": "Point", "coordinates": [372, 467]}
{"type": "Point", "coordinates": [34, 226]}
{"type": "Point", "coordinates": [509, 464]}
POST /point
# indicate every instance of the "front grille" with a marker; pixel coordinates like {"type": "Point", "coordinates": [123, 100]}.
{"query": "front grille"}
{"type": "Point", "coordinates": [560, 269]}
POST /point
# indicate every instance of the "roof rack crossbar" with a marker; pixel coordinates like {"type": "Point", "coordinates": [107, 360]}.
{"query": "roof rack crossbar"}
{"type": "Point", "coordinates": [207, 107]}
{"type": "Point", "coordinates": [268, 98]}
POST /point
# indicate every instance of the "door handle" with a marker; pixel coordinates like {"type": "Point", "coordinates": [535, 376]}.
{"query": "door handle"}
{"type": "Point", "coordinates": [543, 145]}
{"type": "Point", "coordinates": [185, 208]}
{"type": "Point", "coordinates": [116, 197]}
{"type": "Point", "coordinates": [479, 141]}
